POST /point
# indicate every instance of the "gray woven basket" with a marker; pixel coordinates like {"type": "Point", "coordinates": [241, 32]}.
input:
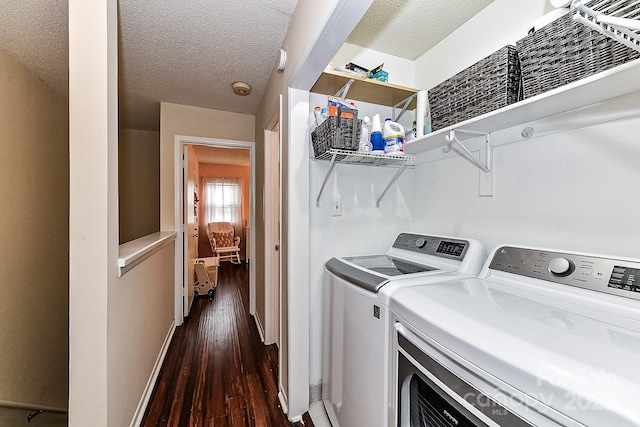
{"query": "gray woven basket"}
{"type": "Point", "coordinates": [565, 51]}
{"type": "Point", "coordinates": [337, 132]}
{"type": "Point", "coordinates": [489, 84]}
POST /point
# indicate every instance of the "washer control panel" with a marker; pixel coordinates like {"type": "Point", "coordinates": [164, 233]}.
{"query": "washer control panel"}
{"type": "Point", "coordinates": [609, 275]}
{"type": "Point", "coordinates": [432, 245]}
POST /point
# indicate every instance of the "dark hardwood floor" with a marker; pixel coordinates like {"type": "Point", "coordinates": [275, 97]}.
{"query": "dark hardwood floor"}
{"type": "Point", "coordinates": [217, 372]}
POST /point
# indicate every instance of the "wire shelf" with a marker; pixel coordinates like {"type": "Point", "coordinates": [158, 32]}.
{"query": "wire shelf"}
{"type": "Point", "coordinates": [335, 156]}
{"type": "Point", "coordinates": [367, 158]}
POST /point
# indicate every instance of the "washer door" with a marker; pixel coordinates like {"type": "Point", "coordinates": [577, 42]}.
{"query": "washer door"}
{"type": "Point", "coordinates": [432, 395]}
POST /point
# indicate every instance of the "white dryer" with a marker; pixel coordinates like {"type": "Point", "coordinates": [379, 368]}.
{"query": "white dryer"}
{"type": "Point", "coordinates": [541, 338]}
{"type": "Point", "coordinates": [356, 344]}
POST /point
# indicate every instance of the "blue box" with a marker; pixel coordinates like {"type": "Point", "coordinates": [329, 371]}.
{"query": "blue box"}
{"type": "Point", "coordinates": [382, 75]}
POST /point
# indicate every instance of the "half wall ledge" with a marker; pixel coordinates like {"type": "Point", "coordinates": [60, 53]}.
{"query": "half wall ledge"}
{"type": "Point", "coordinates": [134, 252]}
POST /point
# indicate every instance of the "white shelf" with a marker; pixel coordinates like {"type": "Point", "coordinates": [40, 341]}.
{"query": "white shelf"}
{"type": "Point", "coordinates": [601, 87]}
{"type": "Point", "coordinates": [134, 252]}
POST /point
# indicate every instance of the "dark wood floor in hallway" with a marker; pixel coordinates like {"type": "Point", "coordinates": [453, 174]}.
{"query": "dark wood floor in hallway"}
{"type": "Point", "coordinates": [217, 372]}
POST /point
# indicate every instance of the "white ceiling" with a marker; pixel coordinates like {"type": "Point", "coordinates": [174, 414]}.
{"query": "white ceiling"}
{"type": "Point", "coordinates": [409, 28]}
{"type": "Point", "coordinates": [190, 52]}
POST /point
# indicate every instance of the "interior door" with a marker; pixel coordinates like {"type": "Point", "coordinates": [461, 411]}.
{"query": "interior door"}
{"type": "Point", "coordinates": [272, 237]}
{"type": "Point", "coordinates": [190, 179]}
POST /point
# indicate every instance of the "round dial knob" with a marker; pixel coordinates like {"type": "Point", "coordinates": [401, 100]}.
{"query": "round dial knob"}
{"type": "Point", "coordinates": [421, 243]}
{"type": "Point", "coordinates": [561, 267]}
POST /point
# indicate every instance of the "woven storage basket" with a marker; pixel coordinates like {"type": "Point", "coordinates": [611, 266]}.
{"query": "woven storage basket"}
{"type": "Point", "coordinates": [337, 132]}
{"type": "Point", "coordinates": [487, 85]}
{"type": "Point", "coordinates": [564, 50]}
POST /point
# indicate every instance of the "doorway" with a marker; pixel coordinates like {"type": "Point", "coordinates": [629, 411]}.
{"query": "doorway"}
{"type": "Point", "coordinates": [192, 241]}
{"type": "Point", "coordinates": [274, 303]}
{"type": "Point", "coordinates": [273, 221]}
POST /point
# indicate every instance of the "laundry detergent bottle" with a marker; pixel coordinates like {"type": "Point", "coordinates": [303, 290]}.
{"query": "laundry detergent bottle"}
{"type": "Point", "coordinates": [393, 136]}
{"type": "Point", "coordinates": [377, 142]}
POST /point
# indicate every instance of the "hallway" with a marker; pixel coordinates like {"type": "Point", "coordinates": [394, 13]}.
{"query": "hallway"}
{"type": "Point", "coordinates": [217, 372]}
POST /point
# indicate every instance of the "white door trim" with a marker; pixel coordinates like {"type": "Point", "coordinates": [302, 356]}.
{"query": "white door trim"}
{"type": "Point", "coordinates": [178, 142]}
{"type": "Point", "coordinates": [273, 225]}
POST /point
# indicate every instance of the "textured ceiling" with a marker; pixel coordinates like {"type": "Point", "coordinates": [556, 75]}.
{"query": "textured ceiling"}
{"type": "Point", "coordinates": [35, 33]}
{"type": "Point", "coordinates": [184, 52]}
{"type": "Point", "coordinates": [190, 52]}
{"type": "Point", "coordinates": [409, 28]}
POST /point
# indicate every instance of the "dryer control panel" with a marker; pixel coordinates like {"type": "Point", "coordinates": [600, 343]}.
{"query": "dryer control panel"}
{"type": "Point", "coordinates": [598, 273]}
{"type": "Point", "coordinates": [432, 245]}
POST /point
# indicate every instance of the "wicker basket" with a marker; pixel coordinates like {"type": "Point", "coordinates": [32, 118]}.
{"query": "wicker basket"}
{"type": "Point", "coordinates": [489, 84]}
{"type": "Point", "coordinates": [564, 50]}
{"type": "Point", "coordinates": [337, 132]}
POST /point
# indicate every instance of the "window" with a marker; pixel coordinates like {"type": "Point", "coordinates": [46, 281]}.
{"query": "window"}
{"type": "Point", "coordinates": [223, 200]}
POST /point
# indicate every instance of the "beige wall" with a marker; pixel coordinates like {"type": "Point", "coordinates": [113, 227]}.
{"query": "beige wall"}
{"type": "Point", "coordinates": [34, 209]}
{"type": "Point", "coordinates": [185, 120]}
{"type": "Point", "coordinates": [138, 183]}
{"type": "Point", "coordinates": [222, 171]}
{"type": "Point", "coordinates": [140, 318]}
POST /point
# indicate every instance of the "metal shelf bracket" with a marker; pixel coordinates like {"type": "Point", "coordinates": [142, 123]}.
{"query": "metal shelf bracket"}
{"type": "Point", "coordinates": [406, 103]}
{"type": "Point", "coordinates": [344, 90]}
{"type": "Point", "coordinates": [401, 162]}
{"type": "Point", "coordinates": [452, 138]}
{"type": "Point", "coordinates": [326, 178]}
{"type": "Point", "coordinates": [393, 180]}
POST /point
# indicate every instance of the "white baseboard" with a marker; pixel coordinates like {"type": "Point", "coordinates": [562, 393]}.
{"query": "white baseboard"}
{"type": "Point", "coordinates": [7, 404]}
{"type": "Point", "coordinates": [282, 397]}
{"type": "Point", "coordinates": [256, 319]}
{"type": "Point", "coordinates": [146, 395]}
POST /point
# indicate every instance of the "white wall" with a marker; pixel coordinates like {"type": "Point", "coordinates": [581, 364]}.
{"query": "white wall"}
{"type": "Point", "coordinates": [401, 71]}
{"type": "Point", "coordinates": [501, 23]}
{"type": "Point", "coordinates": [572, 190]}
{"type": "Point", "coordinates": [316, 32]}
{"type": "Point", "coordinates": [362, 229]}
{"type": "Point", "coordinates": [549, 191]}
{"type": "Point", "coordinates": [93, 216]}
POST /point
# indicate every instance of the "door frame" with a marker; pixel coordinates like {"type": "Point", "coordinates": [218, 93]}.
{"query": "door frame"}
{"type": "Point", "coordinates": [188, 299]}
{"type": "Point", "coordinates": [273, 204]}
{"type": "Point", "coordinates": [178, 142]}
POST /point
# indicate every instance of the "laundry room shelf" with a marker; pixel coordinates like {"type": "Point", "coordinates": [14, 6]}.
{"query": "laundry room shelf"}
{"type": "Point", "coordinates": [402, 162]}
{"type": "Point", "coordinates": [364, 89]}
{"type": "Point", "coordinates": [605, 86]}
{"type": "Point", "coordinates": [367, 158]}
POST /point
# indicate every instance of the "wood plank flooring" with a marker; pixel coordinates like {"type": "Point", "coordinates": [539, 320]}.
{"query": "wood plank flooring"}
{"type": "Point", "coordinates": [217, 372]}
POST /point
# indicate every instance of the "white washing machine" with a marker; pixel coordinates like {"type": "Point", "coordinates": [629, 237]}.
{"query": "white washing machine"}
{"type": "Point", "coordinates": [540, 338]}
{"type": "Point", "coordinates": [356, 344]}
